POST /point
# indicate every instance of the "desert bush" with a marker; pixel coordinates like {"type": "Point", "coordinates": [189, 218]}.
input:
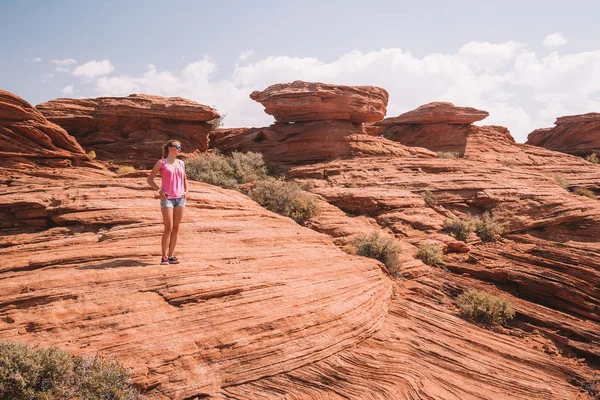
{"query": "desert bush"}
{"type": "Point", "coordinates": [593, 158]}
{"type": "Point", "coordinates": [581, 191]}
{"type": "Point", "coordinates": [284, 198]}
{"type": "Point", "coordinates": [459, 228]}
{"type": "Point", "coordinates": [560, 181]}
{"type": "Point", "coordinates": [429, 198]}
{"type": "Point", "coordinates": [125, 169]}
{"type": "Point", "coordinates": [49, 374]}
{"type": "Point", "coordinates": [379, 246]}
{"type": "Point", "coordinates": [430, 254]}
{"type": "Point", "coordinates": [488, 228]}
{"type": "Point", "coordinates": [98, 378]}
{"type": "Point", "coordinates": [448, 154]}
{"type": "Point", "coordinates": [91, 154]}
{"type": "Point", "coordinates": [484, 307]}
{"type": "Point", "coordinates": [228, 172]}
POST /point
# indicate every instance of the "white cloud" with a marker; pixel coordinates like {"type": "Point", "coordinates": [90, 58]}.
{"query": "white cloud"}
{"type": "Point", "coordinates": [37, 60]}
{"type": "Point", "coordinates": [246, 54]}
{"type": "Point", "coordinates": [519, 88]}
{"type": "Point", "coordinates": [93, 69]}
{"type": "Point", "coordinates": [66, 61]}
{"type": "Point", "coordinates": [68, 90]}
{"type": "Point", "coordinates": [60, 69]}
{"type": "Point", "coordinates": [554, 40]}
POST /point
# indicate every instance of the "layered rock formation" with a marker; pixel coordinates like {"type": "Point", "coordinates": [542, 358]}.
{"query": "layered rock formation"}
{"type": "Point", "coordinates": [26, 137]}
{"type": "Point", "coordinates": [576, 134]}
{"type": "Point", "coordinates": [311, 101]}
{"type": "Point", "coordinates": [435, 126]}
{"type": "Point", "coordinates": [131, 130]}
{"type": "Point", "coordinates": [264, 308]}
{"type": "Point", "coordinates": [316, 122]}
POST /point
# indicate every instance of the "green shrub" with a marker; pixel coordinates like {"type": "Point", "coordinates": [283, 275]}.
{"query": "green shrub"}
{"type": "Point", "coordinates": [560, 181]}
{"type": "Point", "coordinates": [91, 154]}
{"type": "Point", "coordinates": [581, 191]}
{"type": "Point", "coordinates": [49, 374]}
{"type": "Point", "coordinates": [488, 228]}
{"type": "Point", "coordinates": [284, 198]}
{"type": "Point", "coordinates": [459, 228]}
{"type": "Point", "coordinates": [593, 158]}
{"type": "Point", "coordinates": [484, 307]}
{"type": "Point", "coordinates": [448, 154]}
{"type": "Point", "coordinates": [378, 246]}
{"type": "Point", "coordinates": [430, 254]}
{"type": "Point", "coordinates": [98, 378]}
{"type": "Point", "coordinates": [429, 198]}
{"type": "Point", "coordinates": [125, 169]}
{"type": "Point", "coordinates": [227, 172]}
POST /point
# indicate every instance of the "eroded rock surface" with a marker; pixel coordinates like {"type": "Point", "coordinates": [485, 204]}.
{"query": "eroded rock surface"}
{"type": "Point", "coordinates": [575, 134]}
{"type": "Point", "coordinates": [27, 137]}
{"type": "Point", "coordinates": [131, 130]}
{"type": "Point", "coordinates": [313, 101]}
{"type": "Point", "coordinates": [438, 113]}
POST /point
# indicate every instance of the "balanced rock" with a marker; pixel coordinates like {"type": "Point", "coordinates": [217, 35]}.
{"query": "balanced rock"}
{"type": "Point", "coordinates": [27, 137]}
{"type": "Point", "coordinates": [313, 101]}
{"type": "Point", "coordinates": [576, 134]}
{"type": "Point", "coordinates": [438, 113]}
{"type": "Point", "coordinates": [132, 129]}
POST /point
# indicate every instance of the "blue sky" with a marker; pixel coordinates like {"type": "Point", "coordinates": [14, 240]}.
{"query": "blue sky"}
{"type": "Point", "coordinates": [526, 62]}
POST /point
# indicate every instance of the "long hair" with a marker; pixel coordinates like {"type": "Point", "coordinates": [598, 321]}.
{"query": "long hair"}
{"type": "Point", "coordinates": [165, 149]}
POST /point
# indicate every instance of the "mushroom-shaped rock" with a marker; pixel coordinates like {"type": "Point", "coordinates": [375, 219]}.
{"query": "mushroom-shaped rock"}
{"type": "Point", "coordinates": [132, 129]}
{"type": "Point", "coordinates": [438, 113]}
{"type": "Point", "coordinates": [26, 134]}
{"type": "Point", "coordinates": [313, 101]}
{"type": "Point", "coordinates": [574, 134]}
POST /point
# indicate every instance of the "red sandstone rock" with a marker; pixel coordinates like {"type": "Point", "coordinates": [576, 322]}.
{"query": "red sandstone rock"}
{"type": "Point", "coordinates": [27, 136]}
{"type": "Point", "coordinates": [306, 142]}
{"type": "Point", "coordinates": [576, 134]}
{"type": "Point", "coordinates": [312, 101]}
{"type": "Point", "coordinates": [131, 130]}
{"type": "Point", "coordinates": [438, 113]}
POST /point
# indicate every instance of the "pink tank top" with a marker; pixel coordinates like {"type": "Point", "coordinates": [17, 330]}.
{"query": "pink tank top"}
{"type": "Point", "coordinates": [172, 178]}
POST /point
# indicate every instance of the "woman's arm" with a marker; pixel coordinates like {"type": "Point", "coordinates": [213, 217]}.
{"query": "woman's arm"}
{"type": "Point", "coordinates": [185, 183]}
{"type": "Point", "coordinates": [153, 184]}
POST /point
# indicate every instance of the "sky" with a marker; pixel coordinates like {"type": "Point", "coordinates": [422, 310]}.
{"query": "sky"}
{"type": "Point", "coordinates": [526, 62]}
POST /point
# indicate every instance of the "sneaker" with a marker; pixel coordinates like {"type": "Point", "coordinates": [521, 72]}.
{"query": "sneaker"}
{"type": "Point", "coordinates": [173, 260]}
{"type": "Point", "coordinates": [164, 261]}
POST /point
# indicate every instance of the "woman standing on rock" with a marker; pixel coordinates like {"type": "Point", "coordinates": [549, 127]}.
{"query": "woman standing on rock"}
{"type": "Point", "coordinates": [172, 194]}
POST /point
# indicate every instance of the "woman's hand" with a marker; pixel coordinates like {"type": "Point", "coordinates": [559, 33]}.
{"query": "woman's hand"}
{"type": "Point", "coordinates": [163, 195]}
{"type": "Point", "coordinates": [185, 194]}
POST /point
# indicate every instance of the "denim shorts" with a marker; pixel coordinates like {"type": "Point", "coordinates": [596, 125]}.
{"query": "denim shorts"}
{"type": "Point", "coordinates": [173, 203]}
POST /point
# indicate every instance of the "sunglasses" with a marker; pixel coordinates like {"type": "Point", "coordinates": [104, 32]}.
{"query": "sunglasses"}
{"type": "Point", "coordinates": [178, 147]}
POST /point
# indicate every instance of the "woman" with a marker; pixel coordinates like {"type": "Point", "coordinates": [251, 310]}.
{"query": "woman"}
{"type": "Point", "coordinates": [172, 194]}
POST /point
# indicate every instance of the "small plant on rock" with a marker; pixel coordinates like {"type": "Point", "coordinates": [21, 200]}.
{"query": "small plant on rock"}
{"type": "Point", "coordinates": [429, 198]}
{"type": "Point", "coordinates": [430, 254]}
{"type": "Point", "coordinates": [560, 181]}
{"type": "Point", "coordinates": [49, 374]}
{"type": "Point", "coordinates": [581, 191]}
{"type": "Point", "coordinates": [448, 154]}
{"type": "Point", "coordinates": [459, 228]}
{"type": "Point", "coordinates": [593, 158]}
{"type": "Point", "coordinates": [380, 247]}
{"type": "Point", "coordinates": [91, 154]}
{"type": "Point", "coordinates": [484, 307]}
{"type": "Point", "coordinates": [227, 172]}
{"type": "Point", "coordinates": [125, 169]}
{"type": "Point", "coordinates": [488, 228]}
{"type": "Point", "coordinates": [284, 198]}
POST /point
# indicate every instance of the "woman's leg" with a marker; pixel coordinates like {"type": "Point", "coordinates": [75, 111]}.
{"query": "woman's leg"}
{"type": "Point", "coordinates": [167, 214]}
{"type": "Point", "coordinates": [177, 217]}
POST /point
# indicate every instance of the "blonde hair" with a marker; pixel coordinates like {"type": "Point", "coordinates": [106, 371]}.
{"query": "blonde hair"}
{"type": "Point", "coordinates": [165, 149]}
